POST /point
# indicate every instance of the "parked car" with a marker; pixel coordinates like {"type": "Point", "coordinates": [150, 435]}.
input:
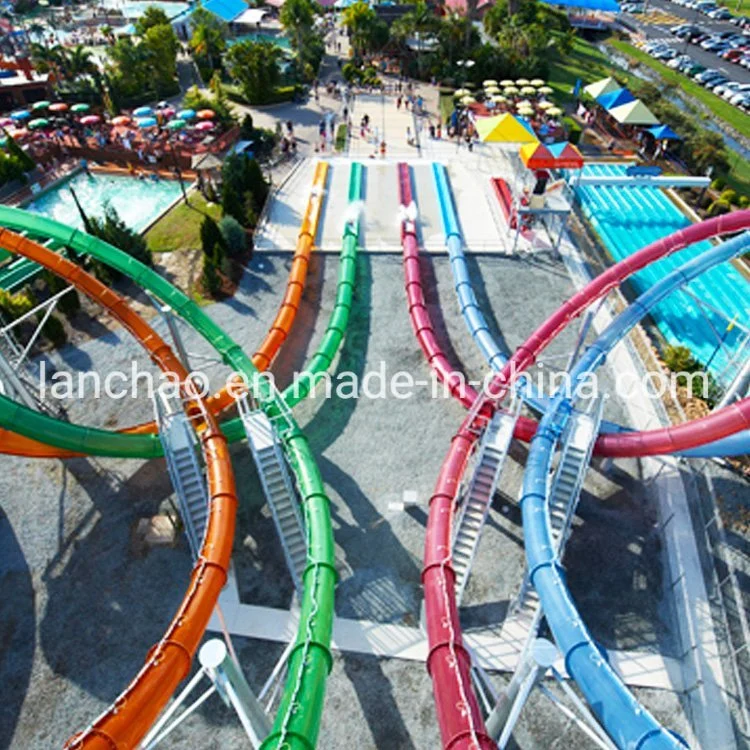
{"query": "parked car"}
{"type": "Point", "coordinates": [719, 14]}
{"type": "Point", "coordinates": [728, 86]}
{"type": "Point", "coordinates": [740, 98]}
{"type": "Point", "coordinates": [741, 90]}
{"type": "Point", "coordinates": [677, 63]}
{"type": "Point", "coordinates": [665, 54]}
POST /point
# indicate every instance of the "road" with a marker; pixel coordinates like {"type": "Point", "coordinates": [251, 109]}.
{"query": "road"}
{"type": "Point", "coordinates": [660, 31]}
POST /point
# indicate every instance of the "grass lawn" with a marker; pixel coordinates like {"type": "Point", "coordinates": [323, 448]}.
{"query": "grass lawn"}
{"type": "Point", "coordinates": [585, 61]}
{"type": "Point", "coordinates": [180, 228]}
{"type": "Point", "coordinates": [737, 7]}
{"type": "Point", "coordinates": [721, 108]}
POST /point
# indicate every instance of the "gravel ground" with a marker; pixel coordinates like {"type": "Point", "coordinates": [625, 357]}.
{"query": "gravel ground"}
{"type": "Point", "coordinates": [82, 607]}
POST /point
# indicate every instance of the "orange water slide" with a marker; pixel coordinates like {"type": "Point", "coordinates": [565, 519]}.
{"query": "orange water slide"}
{"type": "Point", "coordinates": [168, 662]}
{"type": "Point", "coordinates": [20, 445]}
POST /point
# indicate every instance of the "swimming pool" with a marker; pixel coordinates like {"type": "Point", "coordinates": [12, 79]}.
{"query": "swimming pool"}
{"type": "Point", "coordinates": [262, 36]}
{"type": "Point", "coordinates": [138, 202]}
{"type": "Point", "coordinates": [133, 9]}
{"type": "Point", "coordinates": [629, 218]}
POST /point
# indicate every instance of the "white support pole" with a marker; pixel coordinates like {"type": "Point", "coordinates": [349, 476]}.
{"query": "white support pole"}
{"type": "Point", "coordinates": [9, 377]}
{"type": "Point", "coordinates": [234, 690]}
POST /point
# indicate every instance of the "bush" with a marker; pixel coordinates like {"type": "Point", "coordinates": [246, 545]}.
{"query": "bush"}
{"type": "Point", "coordinates": [210, 278]}
{"type": "Point", "coordinates": [235, 238]}
{"type": "Point", "coordinates": [743, 201]}
{"type": "Point", "coordinates": [16, 305]}
{"type": "Point", "coordinates": [70, 303]}
{"type": "Point", "coordinates": [719, 207]}
{"type": "Point", "coordinates": [197, 100]}
{"type": "Point", "coordinates": [718, 184]}
{"type": "Point", "coordinates": [341, 132]}
{"type": "Point", "coordinates": [212, 241]}
{"type": "Point", "coordinates": [246, 128]}
{"type": "Point", "coordinates": [54, 330]}
{"type": "Point", "coordinates": [730, 196]}
{"type": "Point", "coordinates": [680, 359]}
{"type": "Point", "coordinates": [112, 229]}
{"type": "Point", "coordinates": [243, 187]}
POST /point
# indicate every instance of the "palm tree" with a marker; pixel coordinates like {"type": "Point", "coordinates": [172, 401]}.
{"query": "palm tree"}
{"type": "Point", "coordinates": [79, 62]}
{"type": "Point", "coordinates": [297, 18]}
{"type": "Point", "coordinates": [419, 22]}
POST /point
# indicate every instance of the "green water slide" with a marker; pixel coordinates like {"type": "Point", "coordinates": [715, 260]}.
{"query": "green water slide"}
{"type": "Point", "coordinates": [298, 719]}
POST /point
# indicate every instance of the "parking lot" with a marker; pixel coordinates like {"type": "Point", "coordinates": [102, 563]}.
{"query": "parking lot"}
{"type": "Point", "coordinates": [659, 16]}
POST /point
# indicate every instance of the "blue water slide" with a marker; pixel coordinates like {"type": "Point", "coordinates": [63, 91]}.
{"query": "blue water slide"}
{"type": "Point", "coordinates": [476, 323]}
{"type": "Point", "coordinates": [625, 720]}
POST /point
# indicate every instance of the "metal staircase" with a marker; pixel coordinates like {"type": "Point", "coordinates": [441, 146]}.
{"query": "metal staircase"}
{"type": "Point", "coordinates": [475, 505]}
{"type": "Point", "coordinates": [277, 487]}
{"type": "Point", "coordinates": [564, 491]}
{"type": "Point", "coordinates": [185, 467]}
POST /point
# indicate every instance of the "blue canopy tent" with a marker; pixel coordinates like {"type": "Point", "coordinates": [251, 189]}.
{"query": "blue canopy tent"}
{"type": "Point", "coordinates": [615, 99]}
{"type": "Point", "coordinates": [663, 133]}
{"type": "Point", "coordinates": [227, 10]}
{"type": "Point", "coordinates": [608, 6]}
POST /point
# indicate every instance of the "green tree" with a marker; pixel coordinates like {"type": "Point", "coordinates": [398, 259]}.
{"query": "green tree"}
{"type": "Point", "coordinates": [419, 22]}
{"type": "Point", "coordinates": [244, 189]}
{"type": "Point", "coordinates": [255, 67]}
{"type": "Point", "coordinates": [151, 17]}
{"type": "Point", "coordinates": [197, 99]}
{"type": "Point", "coordinates": [161, 46]}
{"type": "Point", "coordinates": [366, 32]}
{"type": "Point", "coordinates": [235, 237]}
{"type": "Point", "coordinates": [208, 40]}
{"type": "Point", "coordinates": [112, 229]}
{"type": "Point", "coordinates": [297, 18]}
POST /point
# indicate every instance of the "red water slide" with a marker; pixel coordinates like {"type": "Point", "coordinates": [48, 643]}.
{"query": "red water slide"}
{"type": "Point", "coordinates": [448, 662]}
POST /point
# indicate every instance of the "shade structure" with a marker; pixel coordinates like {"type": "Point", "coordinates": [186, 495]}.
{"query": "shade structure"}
{"type": "Point", "coordinates": [186, 114]}
{"type": "Point", "coordinates": [205, 114]}
{"type": "Point", "coordinates": [492, 89]}
{"type": "Point", "coordinates": [81, 107]}
{"type": "Point", "coordinates": [168, 111]}
{"type": "Point", "coordinates": [525, 104]}
{"type": "Point", "coordinates": [43, 104]}
{"type": "Point", "coordinates": [20, 114]}
{"type": "Point", "coordinates": [175, 124]}
{"type": "Point", "coordinates": [528, 90]}
{"type": "Point", "coordinates": [545, 105]}
{"type": "Point", "coordinates": [458, 93]}
{"type": "Point", "coordinates": [5, 122]}
{"type": "Point", "coordinates": [603, 86]}
{"type": "Point", "coordinates": [39, 122]}
{"type": "Point", "coordinates": [489, 82]}
{"type": "Point", "coordinates": [510, 90]}
{"type": "Point", "coordinates": [499, 98]}
{"type": "Point", "coordinates": [615, 99]}
{"type": "Point", "coordinates": [143, 112]}
{"type": "Point", "coordinates": [120, 120]}
{"type": "Point", "coordinates": [205, 125]}
{"type": "Point", "coordinates": [504, 128]}
{"type": "Point", "coordinates": [634, 113]}
{"type": "Point", "coordinates": [466, 100]}
{"type": "Point", "coordinates": [90, 120]}
{"type": "Point", "coordinates": [146, 122]}
{"type": "Point", "coordinates": [536, 156]}
{"type": "Point", "coordinates": [567, 156]}
{"type": "Point", "coordinates": [522, 81]}
{"type": "Point", "coordinates": [507, 82]}
{"type": "Point", "coordinates": [537, 82]}
{"type": "Point", "coordinates": [58, 107]}
{"type": "Point", "coordinates": [20, 133]}
{"type": "Point", "coordinates": [554, 111]}
{"type": "Point", "coordinates": [663, 133]}
{"type": "Point", "coordinates": [545, 89]}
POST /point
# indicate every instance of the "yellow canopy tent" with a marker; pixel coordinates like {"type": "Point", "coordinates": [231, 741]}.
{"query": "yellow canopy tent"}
{"type": "Point", "coordinates": [504, 128]}
{"type": "Point", "coordinates": [634, 113]}
{"type": "Point", "coordinates": [605, 86]}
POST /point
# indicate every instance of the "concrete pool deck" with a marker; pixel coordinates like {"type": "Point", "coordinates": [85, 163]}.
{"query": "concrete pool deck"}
{"type": "Point", "coordinates": [85, 605]}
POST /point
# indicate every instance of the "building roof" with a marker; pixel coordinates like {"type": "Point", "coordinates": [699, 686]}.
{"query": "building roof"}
{"type": "Point", "coordinates": [608, 6]}
{"type": "Point", "coordinates": [614, 99]}
{"type": "Point", "coordinates": [251, 16]}
{"type": "Point", "coordinates": [227, 10]}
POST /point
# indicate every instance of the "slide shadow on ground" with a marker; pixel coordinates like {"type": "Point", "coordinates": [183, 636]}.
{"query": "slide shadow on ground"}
{"type": "Point", "coordinates": [106, 606]}
{"type": "Point", "coordinates": [17, 629]}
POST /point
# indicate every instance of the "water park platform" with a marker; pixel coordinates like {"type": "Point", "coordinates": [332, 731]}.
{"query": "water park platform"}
{"type": "Point", "coordinates": [88, 600]}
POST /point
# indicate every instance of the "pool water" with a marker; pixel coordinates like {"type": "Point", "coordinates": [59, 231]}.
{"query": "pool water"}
{"type": "Point", "coordinates": [629, 218]}
{"type": "Point", "coordinates": [138, 202]}
{"type": "Point", "coordinates": [133, 9]}
{"type": "Point", "coordinates": [260, 36]}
